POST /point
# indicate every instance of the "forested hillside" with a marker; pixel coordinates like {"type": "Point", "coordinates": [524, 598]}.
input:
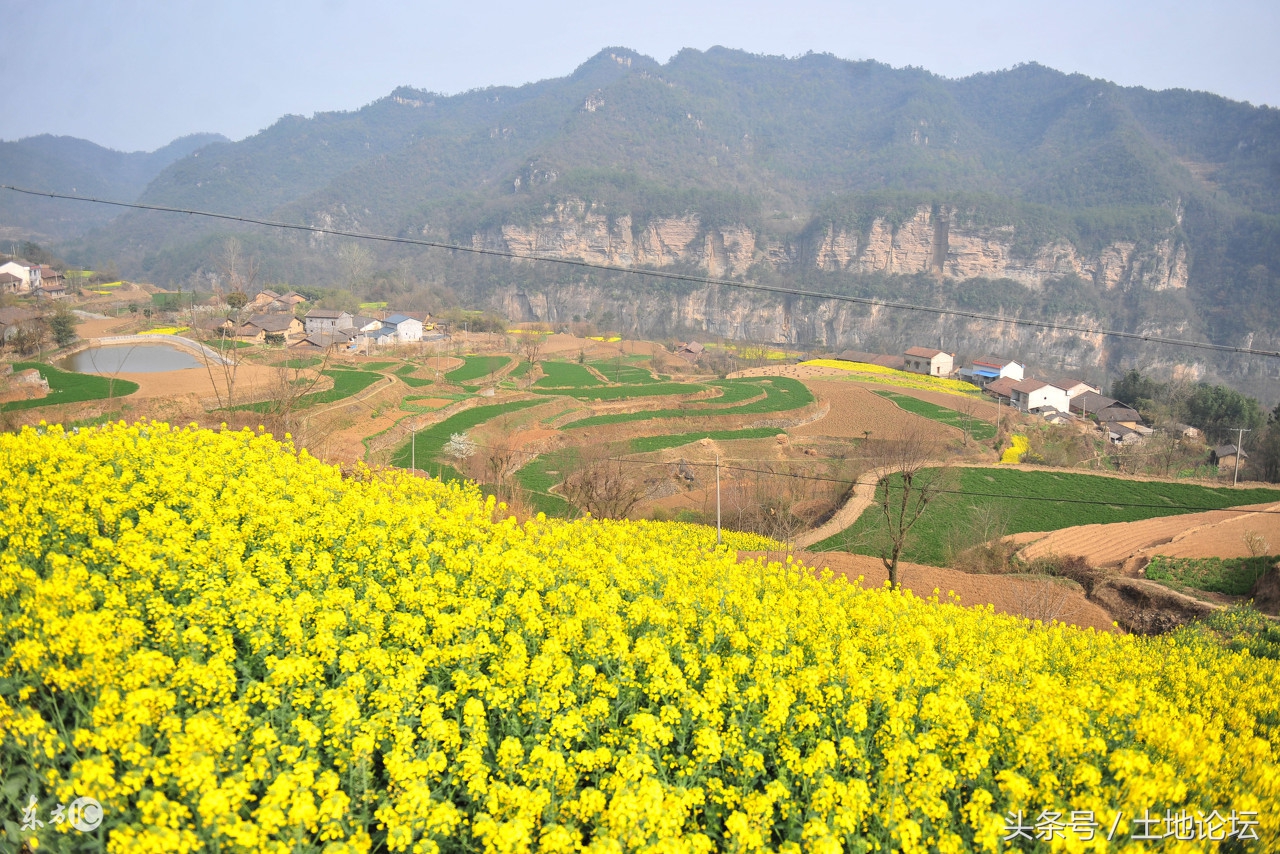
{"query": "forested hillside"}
{"type": "Point", "coordinates": [63, 164]}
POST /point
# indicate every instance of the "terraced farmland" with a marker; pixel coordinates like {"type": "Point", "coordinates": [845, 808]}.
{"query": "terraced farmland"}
{"type": "Point", "coordinates": [771, 394]}
{"type": "Point", "coordinates": [477, 367]}
{"type": "Point", "coordinates": [976, 427]}
{"type": "Point", "coordinates": [1018, 501]}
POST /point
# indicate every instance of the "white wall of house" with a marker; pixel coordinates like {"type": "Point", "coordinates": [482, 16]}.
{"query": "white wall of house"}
{"type": "Point", "coordinates": [409, 331]}
{"type": "Point", "coordinates": [1046, 395]}
{"type": "Point", "coordinates": [13, 268]}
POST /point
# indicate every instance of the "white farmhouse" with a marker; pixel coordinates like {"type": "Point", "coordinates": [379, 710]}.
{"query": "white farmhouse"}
{"type": "Point", "coordinates": [923, 360]}
{"type": "Point", "coordinates": [1033, 395]}
{"type": "Point", "coordinates": [407, 330]}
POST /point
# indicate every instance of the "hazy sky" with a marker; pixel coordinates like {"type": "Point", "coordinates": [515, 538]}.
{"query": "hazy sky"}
{"type": "Point", "coordinates": [136, 74]}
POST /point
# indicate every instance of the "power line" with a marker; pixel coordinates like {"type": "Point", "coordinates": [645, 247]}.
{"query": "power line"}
{"type": "Point", "coordinates": [669, 276]}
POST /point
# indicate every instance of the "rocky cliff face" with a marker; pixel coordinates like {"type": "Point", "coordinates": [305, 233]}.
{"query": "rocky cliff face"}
{"type": "Point", "coordinates": [926, 243]}
{"type": "Point", "coordinates": [724, 312]}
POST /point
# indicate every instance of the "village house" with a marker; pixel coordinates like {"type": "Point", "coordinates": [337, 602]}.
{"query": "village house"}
{"type": "Point", "coordinates": [1002, 389]}
{"type": "Point", "coordinates": [1119, 421]}
{"type": "Point", "coordinates": [402, 329]}
{"type": "Point", "coordinates": [263, 327]}
{"type": "Point", "coordinates": [923, 360]}
{"type": "Point", "coordinates": [48, 283]}
{"type": "Point", "coordinates": [322, 341]}
{"type": "Point", "coordinates": [327, 320]}
{"type": "Point", "coordinates": [19, 271]}
{"type": "Point", "coordinates": [14, 319]}
{"type": "Point", "coordinates": [986, 369]}
{"type": "Point", "coordinates": [11, 284]}
{"type": "Point", "coordinates": [1074, 388]}
{"type": "Point", "coordinates": [1226, 457]}
{"type": "Point", "coordinates": [1032, 395]}
{"type": "Point", "coordinates": [691, 351]}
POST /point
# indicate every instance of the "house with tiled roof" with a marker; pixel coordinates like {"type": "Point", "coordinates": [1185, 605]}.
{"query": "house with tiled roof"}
{"type": "Point", "coordinates": [1002, 389]}
{"type": "Point", "coordinates": [1032, 395]}
{"type": "Point", "coordinates": [986, 369]}
{"type": "Point", "coordinates": [924, 360]}
{"type": "Point", "coordinates": [327, 320]}
{"type": "Point", "coordinates": [264, 327]}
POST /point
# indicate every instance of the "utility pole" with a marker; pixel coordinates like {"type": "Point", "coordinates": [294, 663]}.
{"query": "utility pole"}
{"type": "Point", "coordinates": [1240, 431]}
{"type": "Point", "coordinates": [413, 445]}
{"type": "Point", "coordinates": [719, 540]}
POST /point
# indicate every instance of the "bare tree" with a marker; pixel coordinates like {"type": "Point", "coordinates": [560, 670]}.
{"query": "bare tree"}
{"type": "Point", "coordinates": [290, 383]}
{"type": "Point", "coordinates": [782, 501]}
{"type": "Point", "coordinates": [356, 263]}
{"type": "Point", "coordinates": [912, 477]}
{"type": "Point", "coordinates": [605, 487]}
{"type": "Point", "coordinates": [239, 270]}
{"type": "Point", "coordinates": [532, 340]}
{"type": "Point", "coordinates": [968, 409]}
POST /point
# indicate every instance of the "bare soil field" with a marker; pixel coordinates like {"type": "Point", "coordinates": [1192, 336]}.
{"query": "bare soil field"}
{"type": "Point", "coordinates": [106, 326]}
{"type": "Point", "coordinates": [800, 372]}
{"type": "Point", "coordinates": [250, 378]}
{"type": "Point", "coordinates": [1025, 597]}
{"type": "Point", "coordinates": [1213, 533]}
{"type": "Point", "coordinates": [856, 411]}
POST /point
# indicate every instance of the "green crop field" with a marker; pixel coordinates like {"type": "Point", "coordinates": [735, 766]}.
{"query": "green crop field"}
{"type": "Point", "coordinates": [536, 479]}
{"type": "Point", "coordinates": [375, 366]}
{"type": "Point", "coordinates": [978, 429]}
{"type": "Point", "coordinates": [477, 367]}
{"type": "Point", "coordinates": [404, 373]}
{"type": "Point", "coordinates": [345, 384]}
{"type": "Point", "coordinates": [623, 373]}
{"type": "Point", "coordinates": [567, 375]}
{"type": "Point", "coordinates": [645, 444]}
{"type": "Point", "coordinates": [781, 394]}
{"type": "Point", "coordinates": [431, 440]}
{"type": "Point", "coordinates": [69, 387]}
{"type": "Point", "coordinates": [1233, 576]}
{"type": "Point", "coordinates": [623, 392]}
{"type": "Point", "coordinates": [1033, 501]}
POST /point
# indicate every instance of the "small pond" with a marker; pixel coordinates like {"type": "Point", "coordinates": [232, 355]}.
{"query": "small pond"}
{"type": "Point", "coordinates": [130, 359]}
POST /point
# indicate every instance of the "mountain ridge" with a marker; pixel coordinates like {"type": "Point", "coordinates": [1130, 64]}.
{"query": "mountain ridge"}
{"type": "Point", "coordinates": [812, 162]}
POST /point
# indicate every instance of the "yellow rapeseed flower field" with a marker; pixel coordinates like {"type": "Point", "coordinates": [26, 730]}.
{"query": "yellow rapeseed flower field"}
{"type": "Point", "coordinates": [231, 647]}
{"type": "Point", "coordinates": [890, 376]}
{"type": "Point", "coordinates": [166, 330]}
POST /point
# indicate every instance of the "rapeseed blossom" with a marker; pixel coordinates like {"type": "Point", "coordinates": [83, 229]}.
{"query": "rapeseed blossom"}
{"type": "Point", "coordinates": [893, 376]}
{"type": "Point", "coordinates": [233, 647]}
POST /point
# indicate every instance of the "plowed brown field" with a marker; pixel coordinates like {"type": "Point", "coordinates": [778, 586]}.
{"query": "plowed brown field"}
{"type": "Point", "coordinates": [1214, 533]}
{"type": "Point", "coordinates": [856, 411]}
